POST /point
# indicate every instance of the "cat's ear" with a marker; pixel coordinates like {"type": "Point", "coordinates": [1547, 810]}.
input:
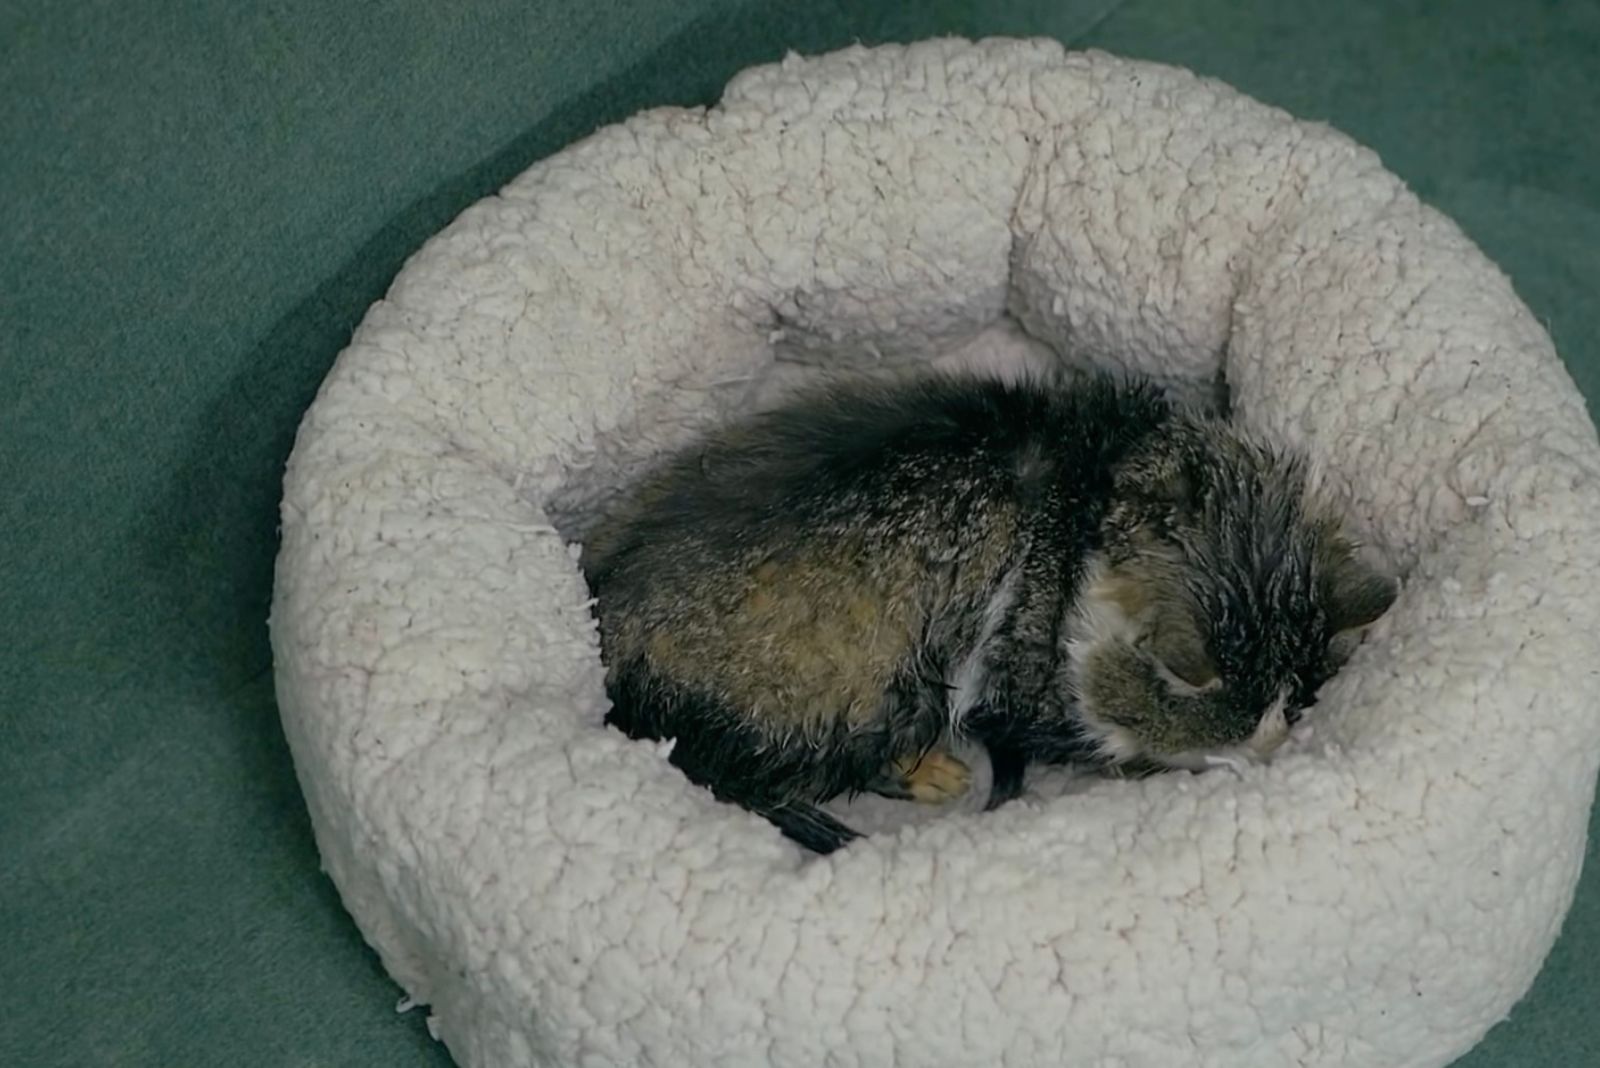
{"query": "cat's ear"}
{"type": "Point", "coordinates": [1356, 593]}
{"type": "Point", "coordinates": [1178, 651]}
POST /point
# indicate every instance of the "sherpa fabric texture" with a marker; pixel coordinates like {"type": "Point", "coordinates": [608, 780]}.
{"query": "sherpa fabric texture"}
{"type": "Point", "coordinates": [1379, 895]}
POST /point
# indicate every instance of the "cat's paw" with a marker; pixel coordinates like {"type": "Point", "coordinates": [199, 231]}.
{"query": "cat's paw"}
{"type": "Point", "coordinates": [934, 778]}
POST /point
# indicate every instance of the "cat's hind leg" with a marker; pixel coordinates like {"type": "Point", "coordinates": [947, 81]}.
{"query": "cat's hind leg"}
{"type": "Point", "coordinates": [917, 765]}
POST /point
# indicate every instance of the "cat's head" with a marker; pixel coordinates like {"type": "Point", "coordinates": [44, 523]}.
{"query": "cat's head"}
{"type": "Point", "coordinates": [1224, 595]}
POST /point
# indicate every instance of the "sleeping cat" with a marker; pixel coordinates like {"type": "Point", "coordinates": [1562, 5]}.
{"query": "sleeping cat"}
{"type": "Point", "coordinates": [817, 600]}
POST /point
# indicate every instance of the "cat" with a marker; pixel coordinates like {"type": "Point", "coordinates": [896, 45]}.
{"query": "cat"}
{"type": "Point", "coordinates": [817, 600]}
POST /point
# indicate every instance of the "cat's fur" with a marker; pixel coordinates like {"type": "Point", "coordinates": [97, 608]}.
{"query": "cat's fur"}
{"type": "Point", "coordinates": [815, 600]}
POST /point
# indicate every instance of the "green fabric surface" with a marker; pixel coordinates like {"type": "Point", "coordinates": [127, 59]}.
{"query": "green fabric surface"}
{"type": "Point", "coordinates": [201, 198]}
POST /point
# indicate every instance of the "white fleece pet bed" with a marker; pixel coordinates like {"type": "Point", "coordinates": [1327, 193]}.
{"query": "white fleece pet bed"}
{"type": "Point", "coordinates": [1380, 895]}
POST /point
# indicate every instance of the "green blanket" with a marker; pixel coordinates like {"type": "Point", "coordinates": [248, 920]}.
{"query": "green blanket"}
{"type": "Point", "coordinates": [199, 199]}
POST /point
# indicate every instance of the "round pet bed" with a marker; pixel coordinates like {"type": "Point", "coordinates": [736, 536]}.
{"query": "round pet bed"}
{"type": "Point", "coordinates": [559, 895]}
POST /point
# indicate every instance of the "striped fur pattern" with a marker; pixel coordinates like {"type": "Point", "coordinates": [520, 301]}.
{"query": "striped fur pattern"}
{"type": "Point", "coordinates": [816, 600]}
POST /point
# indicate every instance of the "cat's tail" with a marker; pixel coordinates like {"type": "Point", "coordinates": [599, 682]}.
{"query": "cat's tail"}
{"type": "Point", "coordinates": [808, 825]}
{"type": "Point", "coordinates": [703, 754]}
